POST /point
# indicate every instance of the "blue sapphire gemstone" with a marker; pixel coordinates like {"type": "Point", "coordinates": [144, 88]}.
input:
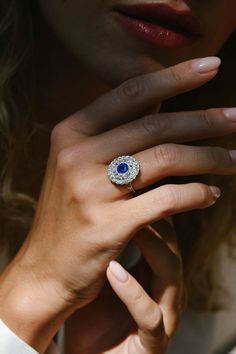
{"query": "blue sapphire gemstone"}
{"type": "Point", "coordinates": [122, 167]}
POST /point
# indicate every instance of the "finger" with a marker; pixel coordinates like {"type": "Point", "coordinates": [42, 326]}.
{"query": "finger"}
{"type": "Point", "coordinates": [143, 309]}
{"type": "Point", "coordinates": [181, 160]}
{"type": "Point", "coordinates": [164, 229]}
{"type": "Point", "coordinates": [162, 128]}
{"type": "Point", "coordinates": [136, 95]}
{"type": "Point", "coordinates": [167, 160]}
{"type": "Point", "coordinates": [165, 263]}
{"type": "Point", "coordinates": [166, 200]}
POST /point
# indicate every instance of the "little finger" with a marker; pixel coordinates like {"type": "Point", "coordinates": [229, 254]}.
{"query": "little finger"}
{"type": "Point", "coordinates": [164, 201]}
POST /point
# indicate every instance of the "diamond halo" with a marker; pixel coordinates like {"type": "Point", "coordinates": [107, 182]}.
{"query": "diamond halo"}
{"type": "Point", "coordinates": [123, 170]}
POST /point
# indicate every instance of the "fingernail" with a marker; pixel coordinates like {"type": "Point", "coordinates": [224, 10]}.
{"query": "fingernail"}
{"type": "Point", "coordinates": [233, 155]}
{"type": "Point", "coordinates": [204, 65]}
{"type": "Point", "coordinates": [230, 114]}
{"type": "Point", "coordinates": [118, 271]}
{"type": "Point", "coordinates": [215, 191]}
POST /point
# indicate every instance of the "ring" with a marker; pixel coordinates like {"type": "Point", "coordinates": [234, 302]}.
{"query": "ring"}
{"type": "Point", "coordinates": [123, 170]}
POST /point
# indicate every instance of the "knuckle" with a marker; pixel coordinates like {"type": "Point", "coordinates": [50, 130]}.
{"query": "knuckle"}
{"type": "Point", "coordinates": [137, 296]}
{"type": "Point", "coordinates": [216, 156]}
{"type": "Point", "coordinates": [203, 193]}
{"type": "Point", "coordinates": [154, 123]}
{"type": "Point", "coordinates": [154, 324]}
{"type": "Point", "coordinates": [62, 134]}
{"type": "Point", "coordinates": [168, 198]}
{"type": "Point", "coordinates": [166, 154]}
{"type": "Point", "coordinates": [80, 192]}
{"type": "Point", "coordinates": [176, 75]}
{"type": "Point", "coordinates": [222, 157]}
{"type": "Point", "coordinates": [80, 195]}
{"type": "Point", "coordinates": [206, 118]}
{"type": "Point", "coordinates": [131, 89]}
{"type": "Point", "coordinates": [57, 134]}
{"type": "Point", "coordinates": [64, 160]}
{"type": "Point", "coordinates": [70, 157]}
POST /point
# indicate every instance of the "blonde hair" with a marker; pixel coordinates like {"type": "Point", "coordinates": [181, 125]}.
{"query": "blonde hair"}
{"type": "Point", "coordinates": [200, 232]}
{"type": "Point", "coordinates": [16, 41]}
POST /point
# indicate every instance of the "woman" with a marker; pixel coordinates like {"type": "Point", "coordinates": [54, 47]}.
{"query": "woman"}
{"type": "Point", "coordinates": [114, 64]}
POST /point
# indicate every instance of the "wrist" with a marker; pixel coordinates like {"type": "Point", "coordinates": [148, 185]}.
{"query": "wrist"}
{"type": "Point", "coordinates": [32, 306]}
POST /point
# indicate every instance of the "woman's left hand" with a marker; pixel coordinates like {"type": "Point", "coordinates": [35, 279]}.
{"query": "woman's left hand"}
{"type": "Point", "coordinates": [154, 308]}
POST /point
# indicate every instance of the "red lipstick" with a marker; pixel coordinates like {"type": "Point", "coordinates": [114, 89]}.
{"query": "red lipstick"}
{"type": "Point", "coordinates": [160, 24]}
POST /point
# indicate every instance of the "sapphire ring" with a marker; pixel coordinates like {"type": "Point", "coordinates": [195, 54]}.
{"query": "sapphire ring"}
{"type": "Point", "coordinates": [123, 170]}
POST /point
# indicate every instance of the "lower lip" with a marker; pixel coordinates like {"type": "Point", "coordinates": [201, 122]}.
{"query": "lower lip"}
{"type": "Point", "coordinates": [154, 33]}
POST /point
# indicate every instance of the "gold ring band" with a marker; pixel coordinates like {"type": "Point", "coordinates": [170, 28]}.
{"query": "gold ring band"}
{"type": "Point", "coordinates": [131, 188]}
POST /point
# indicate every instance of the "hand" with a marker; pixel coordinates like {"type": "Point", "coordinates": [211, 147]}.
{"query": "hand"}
{"type": "Point", "coordinates": [82, 220]}
{"type": "Point", "coordinates": [151, 319]}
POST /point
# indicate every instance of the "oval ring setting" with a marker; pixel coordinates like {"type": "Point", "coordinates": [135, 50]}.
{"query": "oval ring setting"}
{"type": "Point", "coordinates": [123, 170]}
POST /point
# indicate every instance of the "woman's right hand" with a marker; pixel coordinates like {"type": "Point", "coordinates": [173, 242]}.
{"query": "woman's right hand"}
{"type": "Point", "coordinates": [83, 221]}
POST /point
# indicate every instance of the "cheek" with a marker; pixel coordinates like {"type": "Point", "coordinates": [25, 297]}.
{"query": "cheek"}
{"type": "Point", "coordinates": [68, 19]}
{"type": "Point", "coordinates": [80, 26]}
{"type": "Point", "coordinates": [222, 24]}
{"type": "Point", "coordinates": [86, 28]}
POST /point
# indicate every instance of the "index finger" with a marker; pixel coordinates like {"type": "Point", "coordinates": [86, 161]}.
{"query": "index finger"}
{"type": "Point", "coordinates": [130, 99]}
{"type": "Point", "coordinates": [147, 314]}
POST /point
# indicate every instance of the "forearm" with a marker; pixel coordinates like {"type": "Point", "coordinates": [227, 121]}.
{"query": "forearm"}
{"type": "Point", "coordinates": [33, 309]}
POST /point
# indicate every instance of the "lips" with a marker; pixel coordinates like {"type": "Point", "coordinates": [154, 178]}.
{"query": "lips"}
{"type": "Point", "coordinates": [163, 15]}
{"type": "Point", "coordinates": [160, 24]}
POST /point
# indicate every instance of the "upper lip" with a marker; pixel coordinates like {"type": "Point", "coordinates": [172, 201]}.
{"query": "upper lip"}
{"type": "Point", "coordinates": [165, 15]}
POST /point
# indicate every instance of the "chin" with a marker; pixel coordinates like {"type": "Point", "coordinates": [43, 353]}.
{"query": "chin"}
{"type": "Point", "coordinates": [115, 70]}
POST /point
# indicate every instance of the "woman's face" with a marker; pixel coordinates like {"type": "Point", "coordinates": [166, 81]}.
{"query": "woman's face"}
{"type": "Point", "coordinates": [115, 52]}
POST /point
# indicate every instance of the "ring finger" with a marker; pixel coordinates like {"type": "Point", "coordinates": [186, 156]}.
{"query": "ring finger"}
{"type": "Point", "coordinates": [176, 160]}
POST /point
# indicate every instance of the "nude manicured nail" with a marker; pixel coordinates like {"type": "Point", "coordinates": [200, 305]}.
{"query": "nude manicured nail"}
{"type": "Point", "coordinates": [204, 65]}
{"type": "Point", "coordinates": [230, 114]}
{"type": "Point", "coordinates": [118, 271]}
{"type": "Point", "coordinates": [233, 155]}
{"type": "Point", "coordinates": [215, 191]}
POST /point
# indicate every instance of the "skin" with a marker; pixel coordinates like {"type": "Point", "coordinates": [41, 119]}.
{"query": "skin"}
{"type": "Point", "coordinates": [77, 23]}
{"type": "Point", "coordinates": [91, 227]}
{"type": "Point", "coordinates": [83, 223]}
